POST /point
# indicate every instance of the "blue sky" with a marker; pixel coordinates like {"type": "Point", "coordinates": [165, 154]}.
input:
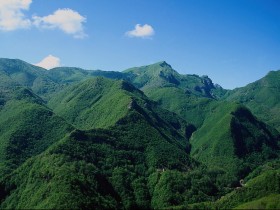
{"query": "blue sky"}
{"type": "Point", "coordinates": [234, 42]}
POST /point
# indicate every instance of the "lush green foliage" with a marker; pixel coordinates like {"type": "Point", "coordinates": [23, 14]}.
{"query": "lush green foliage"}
{"type": "Point", "coordinates": [262, 188]}
{"type": "Point", "coordinates": [262, 97]}
{"type": "Point", "coordinates": [267, 202]}
{"type": "Point", "coordinates": [27, 128]}
{"type": "Point", "coordinates": [234, 140]}
{"type": "Point", "coordinates": [97, 102]}
{"type": "Point", "coordinates": [122, 167]}
{"type": "Point", "coordinates": [72, 139]}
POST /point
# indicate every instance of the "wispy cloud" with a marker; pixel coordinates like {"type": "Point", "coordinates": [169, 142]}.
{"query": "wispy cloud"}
{"type": "Point", "coordinates": [12, 16]}
{"type": "Point", "coordinates": [145, 31]}
{"type": "Point", "coordinates": [67, 20]}
{"type": "Point", "coordinates": [49, 62]}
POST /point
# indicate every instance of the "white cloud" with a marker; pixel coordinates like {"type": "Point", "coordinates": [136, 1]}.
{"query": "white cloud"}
{"type": "Point", "coordinates": [12, 18]}
{"type": "Point", "coordinates": [144, 31]}
{"type": "Point", "coordinates": [67, 20]}
{"type": "Point", "coordinates": [11, 15]}
{"type": "Point", "coordinates": [49, 62]}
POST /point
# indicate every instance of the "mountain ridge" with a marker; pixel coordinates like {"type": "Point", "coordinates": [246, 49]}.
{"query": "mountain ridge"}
{"type": "Point", "coordinates": [145, 138]}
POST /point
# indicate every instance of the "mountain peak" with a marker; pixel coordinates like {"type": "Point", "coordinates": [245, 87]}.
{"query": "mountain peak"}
{"type": "Point", "coordinates": [163, 64]}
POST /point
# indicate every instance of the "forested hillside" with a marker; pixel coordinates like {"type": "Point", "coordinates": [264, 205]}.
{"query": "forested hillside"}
{"type": "Point", "coordinates": [144, 138]}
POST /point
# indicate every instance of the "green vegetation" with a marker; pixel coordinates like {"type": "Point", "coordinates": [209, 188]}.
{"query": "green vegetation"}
{"type": "Point", "coordinates": [267, 202]}
{"type": "Point", "coordinates": [119, 170]}
{"type": "Point", "coordinates": [233, 140]}
{"type": "Point", "coordinates": [262, 97]}
{"type": "Point", "coordinates": [191, 97]}
{"type": "Point", "coordinates": [27, 128]}
{"type": "Point", "coordinates": [161, 74]}
{"type": "Point", "coordinates": [97, 102]}
{"type": "Point", "coordinates": [192, 108]}
{"type": "Point", "coordinates": [258, 191]}
{"type": "Point", "coordinates": [74, 138]}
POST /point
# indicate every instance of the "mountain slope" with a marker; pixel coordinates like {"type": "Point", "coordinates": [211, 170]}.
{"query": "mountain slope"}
{"type": "Point", "coordinates": [234, 140]}
{"type": "Point", "coordinates": [193, 109]}
{"type": "Point", "coordinates": [189, 96]}
{"type": "Point", "coordinates": [102, 144]}
{"type": "Point", "coordinates": [14, 72]}
{"type": "Point", "coordinates": [109, 168]}
{"type": "Point", "coordinates": [262, 97]}
{"type": "Point", "coordinates": [66, 75]}
{"type": "Point", "coordinates": [261, 191]}
{"type": "Point", "coordinates": [27, 128]}
{"type": "Point", "coordinates": [101, 103]}
{"type": "Point", "coordinates": [96, 102]}
{"type": "Point", "coordinates": [161, 74]}
{"type": "Point", "coordinates": [155, 80]}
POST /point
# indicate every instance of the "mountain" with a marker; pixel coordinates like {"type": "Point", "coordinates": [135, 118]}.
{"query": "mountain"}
{"type": "Point", "coordinates": [233, 140]}
{"type": "Point", "coordinates": [120, 165]}
{"type": "Point", "coordinates": [189, 96]}
{"type": "Point", "coordinates": [66, 75]}
{"type": "Point", "coordinates": [14, 72]}
{"type": "Point", "coordinates": [158, 81]}
{"type": "Point", "coordinates": [97, 168]}
{"type": "Point", "coordinates": [27, 127]}
{"type": "Point", "coordinates": [96, 102]}
{"type": "Point", "coordinates": [260, 191]}
{"type": "Point", "coordinates": [262, 97]}
{"type": "Point", "coordinates": [144, 138]}
{"type": "Point", "coordinates": [161, 74]}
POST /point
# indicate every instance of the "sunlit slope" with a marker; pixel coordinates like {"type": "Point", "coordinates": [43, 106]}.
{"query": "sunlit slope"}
{"type": "Point", "coordinates": [190, 96]}
{"type": "Point", "coordinates": [262, 97]}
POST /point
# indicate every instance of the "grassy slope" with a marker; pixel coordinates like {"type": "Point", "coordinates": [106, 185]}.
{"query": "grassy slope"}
{"type": "Point", "coordinates": [266, 202]}
{"type": "Point", "coordinates": [262, 97]}
{"type": "Point", "coordinates": [97, 102]}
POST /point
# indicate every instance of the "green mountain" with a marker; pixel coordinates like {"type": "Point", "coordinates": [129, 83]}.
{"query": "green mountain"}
{"type": "Point", "coordinates": [66, 75]}
{"type": "Point", "coordinates": [27, 127]}
{"type": "Point", "coordinates": [117, 167]}
{"type": "Point", "coordinates": [98, 168]}
{"type": "Point", "coordinates": [161, 74]}
{"type": "Point", "coordinates": [233, 140]}
{"type": "Point", "coordinates": [144, 138]}
{"type": "Point", "coordinates": [189, 96]}
{"type": "Point", "coordinates": [14, 72]}
{"type": "Point", "coordinates": [262, 97]}
{"type": "Point", "coordinates": [260, 191]}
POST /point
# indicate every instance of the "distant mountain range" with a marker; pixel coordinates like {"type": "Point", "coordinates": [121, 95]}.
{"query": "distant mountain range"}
{"type": "Point", "coordinates": [144, 138]}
